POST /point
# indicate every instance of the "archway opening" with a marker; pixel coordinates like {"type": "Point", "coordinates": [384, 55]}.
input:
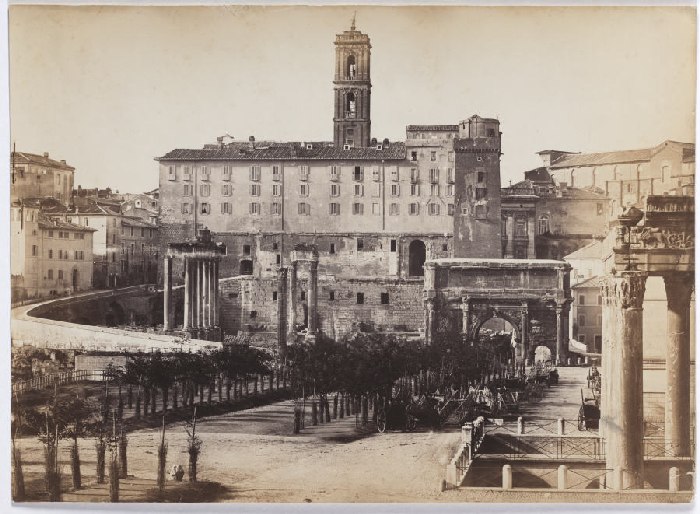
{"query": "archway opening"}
{"type": "Point", "coordinates": [75, 279]}
{"type": "Point", "coordinates": [416, 258]}
{"type": "Point", "coordinates": [350, 68]}
{"type": "Point", "coordinates": [246, 267]}
{"type": "Point", "coordinates": [350, 107]}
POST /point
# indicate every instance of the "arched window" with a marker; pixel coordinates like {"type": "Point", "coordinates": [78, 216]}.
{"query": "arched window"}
{"type": "Point", "coordinates": [350, 105]}
{"type": "Point", "coordinates": [350, 67]}
{"type": "Point", "coordinates": [543, 224]}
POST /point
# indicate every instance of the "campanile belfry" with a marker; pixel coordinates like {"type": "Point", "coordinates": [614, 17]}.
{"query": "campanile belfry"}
{"type": "Point", "coordinates": [352, 85]}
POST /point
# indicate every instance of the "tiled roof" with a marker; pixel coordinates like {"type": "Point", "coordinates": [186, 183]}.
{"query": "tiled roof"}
{"type": "Point", "coordinates": [32, 158]}
{"type": "Point", "coordinates": [48, 205]}
{"type": "Point", "coordinates": [101, 208]}
{"type": "Point", "coordinates": [539, 175]}
{"type": "Point", "coordinates": [619, 157]}
{"type": "Point", "coordinates": [593, 250]}
{"type": "Point", "coordinates": [589, 282]}
{"type": "Point", "coordinates": [52, 224]}
{"type": "Point", "coordinates": [262, 151]}
{"type": "Point", "coordinates": [131, 221]}
{"type": "Point", "coordinates": [432, 128]}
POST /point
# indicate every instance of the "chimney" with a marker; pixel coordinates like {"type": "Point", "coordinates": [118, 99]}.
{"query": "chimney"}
{"type": "Point", "coordinates": [46, 155]}
{"type": "Point", "coordinates": [63, 161]}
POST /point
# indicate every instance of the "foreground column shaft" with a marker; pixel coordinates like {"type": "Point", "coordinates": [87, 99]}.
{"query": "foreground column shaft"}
{"type": "Point", "coordinates": [677, 412]}
{"type": "Point", "coordinates": [168, 293]}
{"type": "Point", "coordinates": [187, 323]}
{"type": "Point", "coordinates": [624, 429]}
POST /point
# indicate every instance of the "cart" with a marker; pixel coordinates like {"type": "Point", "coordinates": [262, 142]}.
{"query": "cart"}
{"type": "Point", "coordinates": [395, 416]}
{"type": "Point", "coordinates": [588, 414]}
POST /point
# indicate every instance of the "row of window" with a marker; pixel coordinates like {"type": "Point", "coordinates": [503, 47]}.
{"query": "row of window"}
{"type": "Point", "coordinates": [359, 299]}
{"type": "Point", "coordinates": [78, 255]}
{"type": "Point", "coordinates": [49, 274]}
{"type": "Point", "coordinates": [582, 320]}
{"type": "Point", "coordinates": [61, 234]}
{"type": "Point", "coordinates": [131, 232]}
{"type": "Point", "coordinates": [304, 190]}
{"type": "Point", "coordinates": [358, 173]}
{"type": "Point", "coordinates": [304, 209]}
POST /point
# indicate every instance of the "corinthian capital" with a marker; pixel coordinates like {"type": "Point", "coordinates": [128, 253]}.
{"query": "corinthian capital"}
{"type": "Point", "coordinates": [626, 289]}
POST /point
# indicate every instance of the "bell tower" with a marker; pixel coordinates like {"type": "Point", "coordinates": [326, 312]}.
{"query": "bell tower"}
{"type": "Point", "coordinates": [351, 118]}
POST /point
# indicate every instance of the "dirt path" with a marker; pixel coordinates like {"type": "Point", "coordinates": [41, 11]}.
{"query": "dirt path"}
{"type": "Point", "coordinates": [255, 455]}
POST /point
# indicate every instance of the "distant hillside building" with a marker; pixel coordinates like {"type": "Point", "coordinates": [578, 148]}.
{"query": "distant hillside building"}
{"type": "Point", "coordinates": [36, 176]}
{"type": "Point", "coordinates": [627, 177]}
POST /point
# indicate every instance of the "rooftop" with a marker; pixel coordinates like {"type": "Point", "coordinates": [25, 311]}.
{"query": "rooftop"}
{"type": "Point", "coordinates": [432, 128]}
{"type": "Point", "coordinates": [45, 222]}
{"type": "Point", "coordinates": [589, 282]}
{"type": "Point", "coordinates": [593, 250]}
{"type": "Point", "coordinates": [41, 160]}
{"type": "Point", "coordinates": [293, 151]}
{"type": "Point", "coordinates": [617, 157]}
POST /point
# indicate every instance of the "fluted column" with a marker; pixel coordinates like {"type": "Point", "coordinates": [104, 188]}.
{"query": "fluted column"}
{"type": "Point", "coordinates": [206, 278]}
{"type": "Point", "coordinates": [679, 287]}
{"type": "Point", "coordinates": [524, 335]}
{"type": "Point", "coordinates": [200, 292]}
{"type": "Point", "coordinates": [168, 293]}
{"type": "Point", "coordinates": [429, 320]}
{"type": "Point", "coordinates": [282, 311]}
{"type": "Point", "coordinates": [624, 426]}
{"type": "Point", "coordinates": [312, 297]}
{"type": "Point", "coordinates": [292, 303]}
{"type": "Point", "coordinates": [510, 233]}
{"type": "Point", "coordinates": [187, 323]}
{"type": "Point", "coordinates": [561, 350]}
{"type": "Point", "coordinates": [466, 309]}
{"type": "Point", "coordinates": [215, 298]}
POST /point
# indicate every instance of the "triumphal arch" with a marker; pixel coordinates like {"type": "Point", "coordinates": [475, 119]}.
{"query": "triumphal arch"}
{"type": "Point", "coordinates": [534, 296]}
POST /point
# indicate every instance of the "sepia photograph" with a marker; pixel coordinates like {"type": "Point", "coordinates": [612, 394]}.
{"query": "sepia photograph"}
{"type": "Point", "coordinates": [351, 254]}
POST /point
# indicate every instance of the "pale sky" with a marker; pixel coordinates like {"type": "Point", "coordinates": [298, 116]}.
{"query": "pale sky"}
{"type": "Point", "coordinates": [110, 88]}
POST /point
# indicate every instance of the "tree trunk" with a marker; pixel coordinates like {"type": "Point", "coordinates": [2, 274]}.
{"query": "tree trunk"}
{"type": "Point", "coordinates": [137, 413]}
{"type": "Point", "coordinates": [154, 397]}
{"type": "Point", "coordinates": [335, 406]}
{"type": "Point", "coordinates": [328, 410]}
{"type": "Point", "coordinates": [209, 392]}
{"type": "Point", "coordinates": [314, 413]}
{"type": "Point", "coordinates": [75, 465]}
{"type": "Point", "coordinates": [165, 399]}
{"type": "Point", "coordinates": [365, 409]}
{"type": "Point", "coordinates": [18, 490]}
{"type": "Point", "coordinates": [146, 400]}
{"type": "Point", "coordinates": [101, 448]}
{"type": "Point", "coordinates": [175, 388]}
{"type": "Point", "coordinates": [129, 397]}
{"type": "Point", "coordinates": [228, 389]}
{"type": "Point", "coordinates": [113, 479]}
{"type": "Point", "coordinates": [341, 415]}
{"type": "Point", "coordinates": [201, 394]}
{"type": "Point", "coordinates": [123, 468]}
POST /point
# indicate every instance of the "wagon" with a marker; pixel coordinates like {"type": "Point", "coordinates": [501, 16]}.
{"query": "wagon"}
{"type": "Point", "coordinates": [395, 416]}
{"type": "Point", "coordinates": [588, 413]}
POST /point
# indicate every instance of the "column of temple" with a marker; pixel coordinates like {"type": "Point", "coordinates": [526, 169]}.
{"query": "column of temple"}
{"type": "Point", "coordinates": [292, 304]}
{"type": "Point", "coordinates": [429, 319]}
{"type": "Point", "coordinates": [510, 233]}
{"type": "Point", "coordinates": [282, 311]}
{"type": "Point", "coordinates": [624, 427]}
{"type": "Point", "coordinates": [168, 293]}
{"type": "Point", "coordinates": [524, 331]}
{"type": "Point", "coordinates": [215, 297]}
{"type": "Point", "coordinates": [679, 287]}
{"type": "Point", "coordinates": [198, 293]}
{"type": "Point", "coordinates": [312, 295]}
{"type": "Point", "coordinates": [187, 323]}
{"type": "Point", "coordinates": [206, 282]}
{"type": "Point", "coordinates": [429, 301]}
{"type": "Point", "coordinates": [561, 350]}
{"type": "Point", "coordinates": [466, 311]}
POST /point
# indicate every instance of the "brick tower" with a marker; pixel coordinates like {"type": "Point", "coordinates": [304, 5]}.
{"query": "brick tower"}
{"type": "Point", "coordinates": [477, 220]}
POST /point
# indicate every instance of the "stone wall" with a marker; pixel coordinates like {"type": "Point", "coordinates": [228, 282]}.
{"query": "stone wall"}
{"type": "Point", "coordinates": [249, 304]}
